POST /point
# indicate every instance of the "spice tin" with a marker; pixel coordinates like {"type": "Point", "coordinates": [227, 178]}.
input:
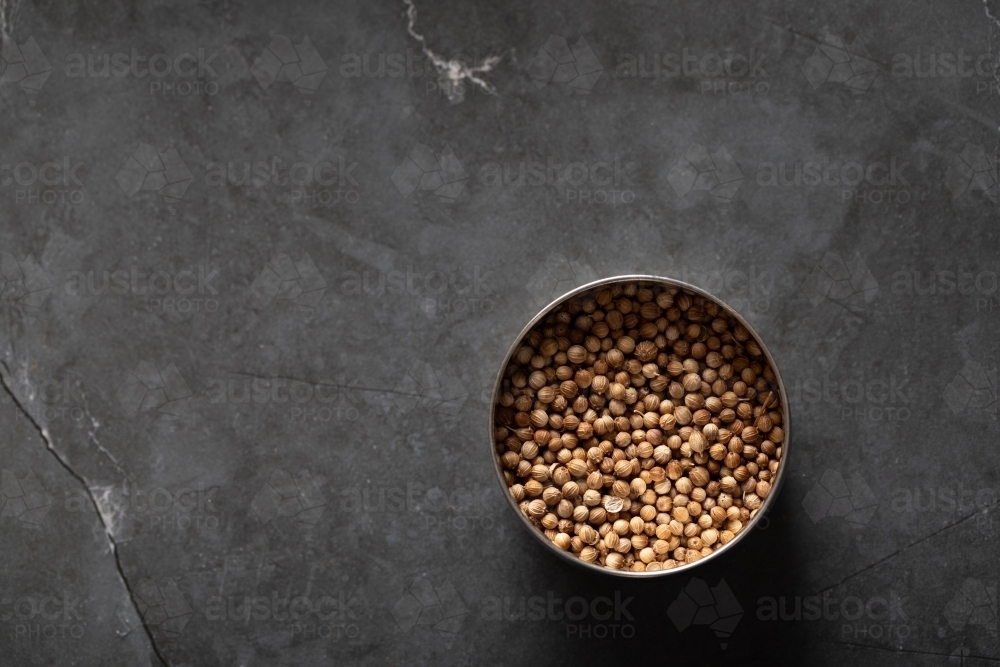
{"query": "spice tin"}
{"type": "Point", "coordinates": [641, 281]}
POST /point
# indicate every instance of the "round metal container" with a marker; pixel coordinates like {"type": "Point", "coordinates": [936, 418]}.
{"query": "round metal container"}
{"type": "Point", "coordinates": [641, 280]}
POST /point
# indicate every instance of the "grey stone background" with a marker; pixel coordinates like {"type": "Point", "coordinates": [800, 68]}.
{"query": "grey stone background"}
{"type": "Point", "coordinates": [264, 441]}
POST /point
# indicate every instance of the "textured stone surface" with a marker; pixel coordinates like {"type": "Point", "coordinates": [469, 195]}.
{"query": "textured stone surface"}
{"type": "Point", "coordinates": [257, 298]}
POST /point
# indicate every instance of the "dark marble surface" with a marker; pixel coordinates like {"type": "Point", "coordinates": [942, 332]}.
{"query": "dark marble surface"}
{"type": "Point", "coordinates": [259, 273]}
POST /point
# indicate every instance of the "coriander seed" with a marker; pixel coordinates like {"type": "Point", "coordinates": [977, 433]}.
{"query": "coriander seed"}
{"type": "Point", "coordinates": [639, 426]}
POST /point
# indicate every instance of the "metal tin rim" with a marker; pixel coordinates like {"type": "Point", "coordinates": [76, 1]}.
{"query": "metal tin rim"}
{"type": "Point", "coordinates": [639, 278]}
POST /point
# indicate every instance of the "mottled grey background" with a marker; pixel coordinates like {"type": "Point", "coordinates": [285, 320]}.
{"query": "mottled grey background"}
{"type": "Point", "coordinates": [264, 441]}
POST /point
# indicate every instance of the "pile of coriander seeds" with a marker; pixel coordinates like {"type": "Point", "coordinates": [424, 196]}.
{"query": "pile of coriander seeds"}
{"type": "Point", "coordinates": [639, 427]}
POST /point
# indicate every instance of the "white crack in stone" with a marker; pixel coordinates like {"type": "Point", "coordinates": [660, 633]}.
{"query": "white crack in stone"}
{"type": "Point", "coordinates": [451, 73]}
{"type": "Point", "coordinates": [112, 512]}
{"type": "Point", "coordinates": [8, 14]}
{"type": "Point", "coordinates": [107, 514]}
